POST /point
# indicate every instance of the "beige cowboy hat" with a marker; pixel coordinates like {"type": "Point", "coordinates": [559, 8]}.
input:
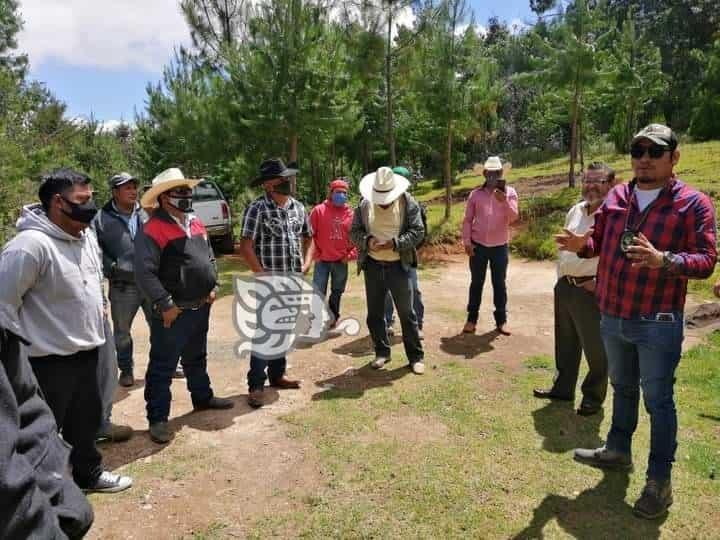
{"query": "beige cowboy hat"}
{"type": "Point", "coordinates": [383, 186]}
{"type": "Point", "coordinates": [165, 181]}
{"type": "Point", "coordinates": [494, 163]}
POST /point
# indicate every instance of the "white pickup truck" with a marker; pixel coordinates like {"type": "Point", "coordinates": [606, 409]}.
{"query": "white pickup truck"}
{"type": "Point", "coordinates": [210, 205]}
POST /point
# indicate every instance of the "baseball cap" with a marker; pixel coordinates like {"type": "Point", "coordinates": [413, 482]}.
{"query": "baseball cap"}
{"type": "Point", "coordinates": [120, 179]}
{"type": "Point", "coordinates": [402, 171]}
{"type": "Point", "coordinates": [657, 133]}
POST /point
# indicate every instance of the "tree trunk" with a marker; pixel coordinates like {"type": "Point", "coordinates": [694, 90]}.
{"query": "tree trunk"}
{"type": "Point", "coordinates": [447, 171]}
{"type": "Point", "coordinates": [573, 136]}
{"type": "Point", "coordinates": [388, 91]}
{"type": "Point", "coordinates": [581, 142]}
{"type": "Point", "coordinates": [293, 157]}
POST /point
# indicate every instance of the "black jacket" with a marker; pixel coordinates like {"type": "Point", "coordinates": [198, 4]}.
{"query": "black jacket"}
{"type": "Point", "coordinates": [171, 267]}
{"type": "Point", "coordinates": [118, 247]}
{"type": "Point", "coordinates": [38, 498]}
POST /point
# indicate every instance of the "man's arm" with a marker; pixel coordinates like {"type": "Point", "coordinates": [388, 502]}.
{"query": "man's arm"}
{"type": "Point", "coordinates": [25, 511]}
{"type": "Point", "coordinates": [512, 205]}
{"type": "Point", "coordinates": [699, 260]}
{"type": "Point", "coordinates": [250, 232]}
{"type": "Point", "coordinates": [147, 267]}
{"type": "Point", "coordinates": [358, 235]}
{"type": "Point", "coordinates": [247, 249]}
{"type": "Point", "coordinates": [108, 262]}
{"type": "Point", "coordinates": [415, 232]}
{"type": "Point", "coordinates": [19, 271]}
{"type": "Point", "coordinates": [468, 221]}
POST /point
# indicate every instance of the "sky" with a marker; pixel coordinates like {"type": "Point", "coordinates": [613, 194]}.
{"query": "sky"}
{"type": "Point", "coordinates": [99, 55]}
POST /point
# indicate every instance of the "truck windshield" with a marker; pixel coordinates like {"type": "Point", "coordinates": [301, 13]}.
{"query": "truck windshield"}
{"type": "Point", "coordinates": [205, 191]}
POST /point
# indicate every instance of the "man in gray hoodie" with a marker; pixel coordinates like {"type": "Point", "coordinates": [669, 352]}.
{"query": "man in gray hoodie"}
{"type": "Point", "coordinates": [51, 295]}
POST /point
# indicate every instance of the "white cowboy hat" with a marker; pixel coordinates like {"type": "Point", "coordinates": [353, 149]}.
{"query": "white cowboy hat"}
{"type": "Point", "coordinates": [383, 186]}
{"type": "Point", "coordinates": [165, 181]}
{"type": "Point", "coordinates": [494, 163]}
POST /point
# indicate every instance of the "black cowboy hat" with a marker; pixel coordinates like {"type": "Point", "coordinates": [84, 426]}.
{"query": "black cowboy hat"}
{"type": "Point", "coordinates": [271, 169]}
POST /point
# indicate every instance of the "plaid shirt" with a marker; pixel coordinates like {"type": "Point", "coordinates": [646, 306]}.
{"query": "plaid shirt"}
{"type": "Point", "coordinates": [681, 221]}
{"type": "Point", "coordinates": [277, 233]}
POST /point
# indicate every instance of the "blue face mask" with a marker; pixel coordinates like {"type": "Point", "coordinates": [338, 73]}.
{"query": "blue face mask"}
{"type": "Point", "coordinates": [339, 198]}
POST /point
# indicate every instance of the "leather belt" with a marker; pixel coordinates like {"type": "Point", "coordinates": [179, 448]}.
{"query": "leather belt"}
{"type": "Point", "coordinates": [578, 280]}
{"type": "Point", "coordinates": [191, 306]}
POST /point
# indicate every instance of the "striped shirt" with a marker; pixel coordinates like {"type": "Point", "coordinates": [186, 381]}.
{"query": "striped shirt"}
{"type": "Point", "coordinates": [681, 220]}
{"type": "Point", "coordinates": [277, 233]}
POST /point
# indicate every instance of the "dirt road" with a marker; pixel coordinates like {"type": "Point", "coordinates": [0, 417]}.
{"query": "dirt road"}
{"type": "Point", "coordinates": [234, 466]}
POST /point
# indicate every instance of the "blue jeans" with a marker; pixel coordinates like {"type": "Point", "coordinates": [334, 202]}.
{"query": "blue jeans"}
{"type": "Point", "coordinates": [337, 274]}
{"type": "Point", "coordinates": [417, 302]}
{"type": "Point", "coordinates": [381, 277]}
{"type": "Point", "coordinates": [125, 301]}
{"type": "Point", "coordinates": [498, 258]}
{"type": "Point", "coordinates": [643, 353]}
{"type": "Point", "coordinates": [256, 376]}
{"type": "Point", "coordinates": [187, 337]}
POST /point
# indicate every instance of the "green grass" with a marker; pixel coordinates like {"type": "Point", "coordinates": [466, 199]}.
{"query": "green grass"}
{"type": "Point", "coordinates": [492, 463]}
{"type": "Point", "coordinates": [227, 268]}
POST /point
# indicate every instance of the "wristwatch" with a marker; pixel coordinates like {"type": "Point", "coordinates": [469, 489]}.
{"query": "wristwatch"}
{"type": "Point", "coordinates": [667, 260]}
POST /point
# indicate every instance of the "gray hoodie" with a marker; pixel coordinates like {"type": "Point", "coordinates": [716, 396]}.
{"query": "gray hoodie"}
{"type": "Point", "coordinates": [51, 288]}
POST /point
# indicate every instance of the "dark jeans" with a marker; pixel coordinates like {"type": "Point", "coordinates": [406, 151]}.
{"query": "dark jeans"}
{"type": "Point", "coordinates": [187, 337]}
{"type": "Point", "coordinates": [70, 387]}
{"type": "Point", "coordinates": [337, 274]}
{"type": "Point", "coordinates": [577, 330]}
{"type": "Point", "coordinates": [381, 277]}
{"type": "Point", "coordinates": [125, 301]}
{"type": "Point", "coordinates": [417, 302]}
{"type": "Point", "coordinates": [256, 376]}
{"type": "Point", "coordinates": [644, 353]}
{"type": "Point", "coordinates": [498, 258]}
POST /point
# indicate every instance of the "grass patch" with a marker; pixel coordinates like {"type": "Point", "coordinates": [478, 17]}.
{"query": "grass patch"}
{"type": "Point", "coordinates": [441, 231]}
{"type": "Point", "coordinates": [228, 267]}
{"type": "Point", "coordinates": [502, 467]}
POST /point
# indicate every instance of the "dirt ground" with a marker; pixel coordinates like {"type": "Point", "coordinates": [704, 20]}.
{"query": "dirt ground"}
{"type": "Point", "coordinates": [234, 466]}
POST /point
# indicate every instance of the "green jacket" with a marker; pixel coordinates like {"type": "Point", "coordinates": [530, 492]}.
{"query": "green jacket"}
{"type": "Point", "coordinates": [411, 233]}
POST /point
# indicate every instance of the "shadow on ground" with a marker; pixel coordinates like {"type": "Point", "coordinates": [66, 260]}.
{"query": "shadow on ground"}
{"type": "Point", "coordinates": [363, 346]}
{"type": "Point", "coordinates": [140, 446]}
{"type": "Point", "coordinates": [468, 345]}
{"type": "Point", "coordinates": [594, 513]}
{"type": "Point", "coordinates": [354, 383]}
{"type": "Point", "coordinates": [562, 429]}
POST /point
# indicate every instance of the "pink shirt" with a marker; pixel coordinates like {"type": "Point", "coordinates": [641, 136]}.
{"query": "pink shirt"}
{"type": "Point", "coordinates": [487, 220]}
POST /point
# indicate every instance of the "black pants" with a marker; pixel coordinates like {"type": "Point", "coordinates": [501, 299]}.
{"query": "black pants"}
{"type": "Point", "coordinates": [577, 330]}
{"type": "Point", "coordinates": [498, 258]}
{"type": "Point", "coordinates": [70, 387]}
{"type": "Point", "coordinates": [381, 277]}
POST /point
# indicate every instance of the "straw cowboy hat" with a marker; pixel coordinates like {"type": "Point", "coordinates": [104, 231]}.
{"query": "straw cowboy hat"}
{"type": "Point", "coordinates": [165, 181]}
{"type": "Point", "coordinates": [494, 163]}
{"type": "Point", "coordinates": [383, 186]}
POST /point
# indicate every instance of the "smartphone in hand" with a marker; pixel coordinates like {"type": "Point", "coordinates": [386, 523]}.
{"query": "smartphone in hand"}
{"type": "Point", "coordinates": [500, 185]}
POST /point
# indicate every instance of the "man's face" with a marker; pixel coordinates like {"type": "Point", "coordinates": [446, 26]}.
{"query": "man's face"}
{"type": "Point", "coordinates": [650, 170]}
{"type": "Point", "coordinates": [78, 194]}
{"type": "Point", "coordinates": [126, 194]}
{"type": "Point", "coordinates": [595, 186]}
{"type": "Point", "coordinates": [491, 178]}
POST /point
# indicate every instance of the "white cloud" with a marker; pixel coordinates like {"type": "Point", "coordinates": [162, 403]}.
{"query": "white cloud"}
{"type": "Point", "coordinates": [518, 26]}
{"type": "Point", "coordinates": [103, 33]}
{"type": "Point", "coordinates": [480, 30]}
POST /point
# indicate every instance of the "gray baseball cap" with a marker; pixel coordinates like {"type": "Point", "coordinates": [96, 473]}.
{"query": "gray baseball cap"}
{"type": "Point", "coordinates": [657, 133]}
{"type": "Point", "coordinates": [120, 179]}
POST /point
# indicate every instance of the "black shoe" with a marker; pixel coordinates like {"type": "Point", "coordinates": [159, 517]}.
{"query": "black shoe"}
{"type": "Point", "coordinates": [126, 379]}
{"type": "Point", "coordinates": [588, 410]}
{"type": "Point", "coordinates": [655, 499]}
{"type": "Point", "coordinates": [160, 433]}
{"type": "Point", "coordinates": [214, 403]}
{"type": "Point", "coordinates": [550, 394]}
{"type": "Point", "coordinates": [602, 458]}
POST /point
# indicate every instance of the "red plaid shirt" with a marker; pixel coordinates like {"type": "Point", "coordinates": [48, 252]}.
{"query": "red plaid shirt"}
{"type": "Point", "coordinates": [681, 221]}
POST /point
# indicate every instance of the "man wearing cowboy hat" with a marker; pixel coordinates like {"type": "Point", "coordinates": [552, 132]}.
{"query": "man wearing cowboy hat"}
{"type": "Point", "coordinates": [275, 234]}
{"type": "Point", "coordinates": [175, 269]}
{"type": "Point", "coordinates": [386, 229]}
{"type": "Point", "coordinates": [331, 247]}
{"type": "Point", "coordinates": [489, 212]}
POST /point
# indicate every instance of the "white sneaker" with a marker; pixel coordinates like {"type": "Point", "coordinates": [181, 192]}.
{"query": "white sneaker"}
{"type": "Point", "coordinates": [109, 482]}
{"type": "Point", "coordinates": [390, 330]}
{"type": "Point", "coordinates": [379, 362]}
{"type": "Point", "coordinates": [418, 368]}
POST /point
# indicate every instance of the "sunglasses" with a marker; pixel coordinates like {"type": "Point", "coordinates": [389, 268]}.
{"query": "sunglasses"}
{"type": "Point", "coordinates": [655, 151]}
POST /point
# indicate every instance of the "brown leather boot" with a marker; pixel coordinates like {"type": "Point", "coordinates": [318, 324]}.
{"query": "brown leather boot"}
{"type": "Point", "coordinates": [255, 399]}
{"type": "Point", "coordinates": [283, 383]}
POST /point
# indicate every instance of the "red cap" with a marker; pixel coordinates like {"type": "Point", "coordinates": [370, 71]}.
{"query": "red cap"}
{"type": "Point", "coordinates": [339, 184]}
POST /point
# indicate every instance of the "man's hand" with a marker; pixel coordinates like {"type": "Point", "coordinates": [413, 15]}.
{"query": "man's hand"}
{"type": "Point", "coordinates": [569, 241]}
{"type": "Point", "coordinates": [306, 267]}
{"type": "Point", "coordinates": [470, 250]}
{"type": "Point", "coordinates": [643, 254]}
{"type": "Point", "coordinates": [169, 316]}
{"type": "Point", "coordinates": [376, 245]}
{"type": "Point", "coordinates": [212, 297]}
{"type": "Point", "coordinates": [588, 285]}
{"type": "Point", "coordinates": [500, 195]}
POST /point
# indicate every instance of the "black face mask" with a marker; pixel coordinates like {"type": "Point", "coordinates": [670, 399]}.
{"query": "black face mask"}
{"type": "Point", "coordinates": [82, 213]}
{"type": "Point", "coordinates": [184, 204]}
{"type": "Point", "coordinates": [283, 188]}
